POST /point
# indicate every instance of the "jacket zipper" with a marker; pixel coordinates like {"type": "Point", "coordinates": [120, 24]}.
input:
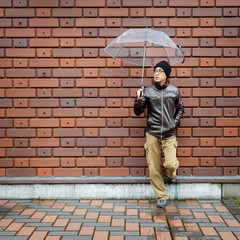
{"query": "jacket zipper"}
{"type": "Point", "coordinates": [162, 112]}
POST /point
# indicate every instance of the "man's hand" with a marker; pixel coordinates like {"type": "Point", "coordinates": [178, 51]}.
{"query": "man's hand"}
{"type": "Point", "coordinates": [140, 93]}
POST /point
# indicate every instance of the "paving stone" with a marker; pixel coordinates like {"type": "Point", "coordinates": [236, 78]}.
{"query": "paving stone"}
{"type": "Point", "coordinates": [50, 228]}
{"type": "Point", "coordinates": [77, 238]}
{"type": "Point", "coordinates": [14, 238]}
{"type": "Point", "coordinates": [124, 233]}
{"type": "Point", "coordinates": [140, 238]}
{"type": "Point", "coordinates": [63, 233]}
{"type": "Point", "coordinates": [120, 219]}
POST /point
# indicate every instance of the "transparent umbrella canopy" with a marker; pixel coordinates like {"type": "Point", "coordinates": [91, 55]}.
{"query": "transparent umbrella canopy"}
{"type": "Point", "coordinates": [144, 47]}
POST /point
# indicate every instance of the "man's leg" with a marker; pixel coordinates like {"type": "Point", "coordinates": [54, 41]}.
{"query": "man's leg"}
{"type": "Point", "coordinates": [170, 152]}
{"type": "Point", "coordinates": [153, 155]}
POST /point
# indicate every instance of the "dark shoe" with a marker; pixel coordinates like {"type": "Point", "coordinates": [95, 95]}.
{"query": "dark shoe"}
{"type": "Point", "coordinates": [173, 180]}
{"type": "Point", "coordinates": [161, 203]}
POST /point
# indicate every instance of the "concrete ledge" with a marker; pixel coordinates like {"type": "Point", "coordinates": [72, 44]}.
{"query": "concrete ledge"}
{"type": "Point", "coordinates": [124, 180]}
{"type": "Point", "coordinates": [108, 191]}
{"type": "Point", "coordinates": [117, 188]}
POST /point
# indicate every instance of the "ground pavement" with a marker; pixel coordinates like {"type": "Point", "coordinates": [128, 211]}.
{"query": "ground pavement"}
{"type": "Point", "coordinates": [118, 220]}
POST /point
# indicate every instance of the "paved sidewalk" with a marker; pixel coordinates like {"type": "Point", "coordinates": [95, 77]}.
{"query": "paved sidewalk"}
{"type": "Point", "coordinates": [118, 220]}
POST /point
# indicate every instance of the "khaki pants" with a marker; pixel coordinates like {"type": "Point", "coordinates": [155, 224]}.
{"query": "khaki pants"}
{"type": "Point", "coordinates": [154, 147]}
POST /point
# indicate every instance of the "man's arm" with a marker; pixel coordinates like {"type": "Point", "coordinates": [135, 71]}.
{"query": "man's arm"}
{"type": "Point", "coordinates": [179, 110]}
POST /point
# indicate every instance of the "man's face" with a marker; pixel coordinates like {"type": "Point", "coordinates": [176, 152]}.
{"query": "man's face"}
{"type": "Point", "coordinates": [159, 76]}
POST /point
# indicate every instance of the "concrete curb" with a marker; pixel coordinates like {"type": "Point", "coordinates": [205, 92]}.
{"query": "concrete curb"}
{"type": "Point", "coordinates": [115, 191]}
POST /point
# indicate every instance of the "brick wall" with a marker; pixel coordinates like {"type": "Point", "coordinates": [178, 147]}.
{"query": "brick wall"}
{"type": "Point", "coordinates": [66, 107]}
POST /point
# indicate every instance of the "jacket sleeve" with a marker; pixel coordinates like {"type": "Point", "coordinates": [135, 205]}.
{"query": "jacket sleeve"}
{"type": "Point", "coordinates": [179, 110]}
{"type": "Point", "coordinates": [139, 105]}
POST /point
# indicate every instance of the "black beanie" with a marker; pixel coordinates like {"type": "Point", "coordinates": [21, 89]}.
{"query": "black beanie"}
{"type": "Point", "coordinates": [165, 66]}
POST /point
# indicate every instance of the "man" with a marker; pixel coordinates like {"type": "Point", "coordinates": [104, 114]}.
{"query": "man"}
{"type": "Point", "coordinates": [164, 113]}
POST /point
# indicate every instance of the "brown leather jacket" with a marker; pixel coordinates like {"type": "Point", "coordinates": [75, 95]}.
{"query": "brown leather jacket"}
{"type": "Point", "coordinates": [165, 109]}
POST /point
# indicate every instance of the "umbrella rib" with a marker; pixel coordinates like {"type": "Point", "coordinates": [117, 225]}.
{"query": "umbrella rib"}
{"type": "Point", "coordinates": [120, 50]}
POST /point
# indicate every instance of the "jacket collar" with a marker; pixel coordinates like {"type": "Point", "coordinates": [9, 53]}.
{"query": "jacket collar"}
{"type": "Point", "coordinates": [158, 86]}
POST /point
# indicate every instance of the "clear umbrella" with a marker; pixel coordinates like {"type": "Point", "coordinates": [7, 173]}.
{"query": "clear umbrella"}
{"type": "Point", "coordinates": [144, 47]}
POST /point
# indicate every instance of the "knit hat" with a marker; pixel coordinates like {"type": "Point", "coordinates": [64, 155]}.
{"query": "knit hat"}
{"type": "Point", "coordinates": [165, 66]}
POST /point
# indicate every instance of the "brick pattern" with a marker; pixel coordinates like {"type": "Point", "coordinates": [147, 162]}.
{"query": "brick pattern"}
{"type": "Point", "coordinates": [118, 219]}
{"type": "Point", "coordinates": [66, 107]}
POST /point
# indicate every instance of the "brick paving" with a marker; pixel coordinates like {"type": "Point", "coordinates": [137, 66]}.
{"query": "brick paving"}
{"type": "Point", "coordinates": [118, 220]}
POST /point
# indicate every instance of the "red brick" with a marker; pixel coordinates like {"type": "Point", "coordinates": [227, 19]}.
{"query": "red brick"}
{"type": "Point", "coordinates": [20, 63]}
{"type": "Point", "coordinates": [21, 162]}
{"type": "Point", "coordinates": [178, 22]}
{"type": "Point", "coordinates": [91, 162]}
{"type": "Point", "coordinates": [6, 163]}
{"type": "Point", "coordinates": [21, 132]}
{"type": "Point", "coordinates": [90, 22]}
{"type": "Point", "coordinates": [205, 132]}
{"type": "Point", "coordinates": [49, 82]}
{"type": "Point", "coordinates": [6, 63]}
{"type": "Point", "coordinates": [207, 142]}
{"type": "Point", "coordinates": [20, 73]}
{"type": "Point", "coordinates": [120, 172]}
{"type": "Point", "coordinates": [44, 123]}
{"type": "Point", "coordinates": [227, 42]}
{"type": "Point", "coordinates": [183, 3]}
{"type": "Point", "coordinates": [20, 83]}
{"type": "Point", "coordinates": [7, 83]}
{"type": "Point", "coordinates": [114, 132]}
{"type": "Point", "coordinates": [134, 162]}
{"type": "Point", "coordinates": [2, 154]}
{"type": "Point", "coordinates": [6, 142]}
{"type": "Point", "coordinates": [43, 63]}
{"type": "Point", "coordinates": [211, 171]}
{"type": "Point", "coordinates": [207, 32]}
{"type": "Point", "coordinates": [230, 92]}
{"type": "Point", "coordinates": [44, 162]}
{"type": "Point", "coordinates": [230, 171]}
{"type": "Point", "coordinates": [230, 132]}
{"type": "Point", "coordinates": [207, 152]}
{"type": "Point", "coordinates": [207, 22]}
{"type": "Point", "coordinates": [23, 32]}
{"type": "Point", "coordinates": [43, 12]}
{"type": "Point", "coordinates": [67, 172]}
{"type": "Point", "coordinates": [43, 42]}
{"type": "Point", "coordinates": [20, 112]}
{"type": "Point", "coordinates": [230, 3]}
{"type": "Point", "coordinates": [207, 3]}
{"type": "Point", "coordinates": [113, 12]}
{"type": "Point", "coordinates": [207, 12]}
{"type": "Point", "coordinates": [199, 52]}
{"type": "Point", "coordinates": [184, 171]}
{"type": "Point", "coordinates": [44, 172]}
{"type": "Point", "coordinates": [227, 122]}
{"type": "Point", "coordinates": [157, 12]}
{"type": "Point", "coordinates": [44, 22]}
{"type": "Point", "coordinates": [207, 162]}
{"type": "Point", "coordinates": [114, 112]}
{"type": "Point", "coordinates": [20, 52]}
{"type": "Point", "coordinates": [228, 142]}
{"type": "Point", "coordinates": [43, 3]}
{"type": "Point", "coordinates": [20, 93]}
{"type": "Point", "coordinates": [222, 62]}
{"type": "Point", "coordinates": [67, 32]}
{"type": "Point", "coordinates": [107, 152]}
{"type": "Point", "coordinates": [42, 142]}
{"type": "Point", "coordinates": [188, 162]}
{"type": "Point", "coordinates": [21, 172]}
{"type": "Point", "coordinates": [67, 152]}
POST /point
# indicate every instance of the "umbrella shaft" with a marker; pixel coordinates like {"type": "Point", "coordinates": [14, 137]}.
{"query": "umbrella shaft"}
{"type": "Point", "coordinates": [144, 54]}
